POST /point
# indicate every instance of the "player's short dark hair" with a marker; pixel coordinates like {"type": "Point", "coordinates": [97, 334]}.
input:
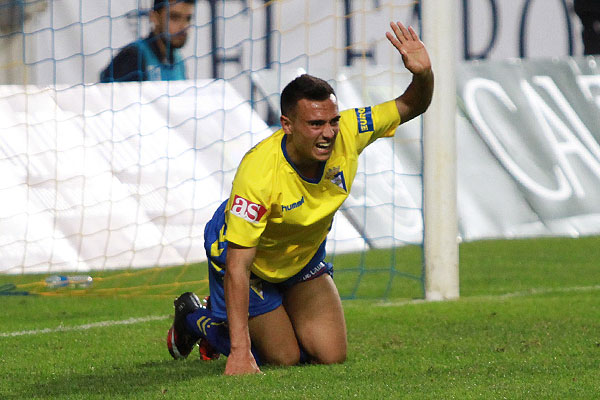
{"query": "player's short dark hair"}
{"type": "Point", "coordinates": [303, 87]}
{"type": "Point", "coordinates": [158, 4]}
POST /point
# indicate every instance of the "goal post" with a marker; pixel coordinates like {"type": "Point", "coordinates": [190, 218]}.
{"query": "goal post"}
{"type": "Point", "coordinates": [440, 244]}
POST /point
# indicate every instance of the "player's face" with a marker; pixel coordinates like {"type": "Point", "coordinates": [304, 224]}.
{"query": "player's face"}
{"type": "Point", "coordinates": [312, 129]}
{"type": "Point", "coordinates": [172, 22]}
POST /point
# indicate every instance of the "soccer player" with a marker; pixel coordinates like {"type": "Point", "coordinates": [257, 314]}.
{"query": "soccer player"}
{"type": "Point", "coordinates": [272, 296]}
{"type": "Point", "coordinates": [156, 57]}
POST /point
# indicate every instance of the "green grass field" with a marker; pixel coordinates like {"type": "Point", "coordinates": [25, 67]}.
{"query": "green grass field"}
{"type": "Point", "coordinates": [527, 326]}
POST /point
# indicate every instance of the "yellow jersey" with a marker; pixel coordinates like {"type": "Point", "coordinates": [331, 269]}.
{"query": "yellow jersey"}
{"type": "Point", "coordinates": [286, 216]}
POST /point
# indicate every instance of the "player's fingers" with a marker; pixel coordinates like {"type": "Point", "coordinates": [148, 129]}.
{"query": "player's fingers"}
{"type": "Point", "coordinates": [398, 32]}
{"type": "Point", "coordinates": [393, 40]}
{"type": "Point", "coordinates": [413, 34]}
{"type": "Point", "coordinates": [405, 33]}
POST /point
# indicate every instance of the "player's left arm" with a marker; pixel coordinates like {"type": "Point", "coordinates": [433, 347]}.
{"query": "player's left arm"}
{"type": "Point", "coordinates": [417, 96]}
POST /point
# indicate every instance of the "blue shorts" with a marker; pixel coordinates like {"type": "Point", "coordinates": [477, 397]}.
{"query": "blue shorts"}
{"type": "Point", "coordinates": [264, 296]}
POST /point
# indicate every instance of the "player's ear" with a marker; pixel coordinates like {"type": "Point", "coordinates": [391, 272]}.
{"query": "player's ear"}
{"type": "Point", "coordinates": [286, 124]}
{"type": "Point", "coordinates": [154, 18]}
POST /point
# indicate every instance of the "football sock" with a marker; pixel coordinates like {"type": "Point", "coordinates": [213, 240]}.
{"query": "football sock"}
{"type": "Point", "coordinates": [201, 324]}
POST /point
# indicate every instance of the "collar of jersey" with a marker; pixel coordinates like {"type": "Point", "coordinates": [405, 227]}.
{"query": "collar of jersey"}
{"type": "Point", "coordinates": [285, 154]}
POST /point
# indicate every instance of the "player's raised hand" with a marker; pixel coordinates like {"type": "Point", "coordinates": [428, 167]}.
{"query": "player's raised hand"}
{"type": "Point", "coordinates": [413, 51]}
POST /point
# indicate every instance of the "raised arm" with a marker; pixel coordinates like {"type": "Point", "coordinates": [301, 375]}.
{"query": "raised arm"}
{"type": "Point", "coordinates": [236, 283]}
{"type": "Point", "coordinates": [417, 96]}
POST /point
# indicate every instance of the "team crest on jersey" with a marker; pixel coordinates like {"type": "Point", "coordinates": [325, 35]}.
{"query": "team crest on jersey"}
{"type": "Point", "coordinates": [365, 119]}
{"type": "Point", "coordinates": [331, 172]}
{"type": "Point", "coordinates": [247, 210]}
{"type": "Point", "coordinates": [339, 180]}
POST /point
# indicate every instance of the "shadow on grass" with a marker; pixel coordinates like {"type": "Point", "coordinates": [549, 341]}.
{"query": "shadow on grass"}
{"type": "Point", "coordinates": [135, 381]}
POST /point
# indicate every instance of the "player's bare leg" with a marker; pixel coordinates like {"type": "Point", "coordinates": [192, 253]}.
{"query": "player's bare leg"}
{"type": "Point", "coordinates": [273, 336]}
{"type": "Point", "coordinates": [315, 309]}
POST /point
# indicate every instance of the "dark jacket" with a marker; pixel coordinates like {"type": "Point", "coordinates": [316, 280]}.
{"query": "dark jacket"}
{"type": "Point", "coordinates": [586, 6]}
{"type": "Point", "coordinates": [140, 61]}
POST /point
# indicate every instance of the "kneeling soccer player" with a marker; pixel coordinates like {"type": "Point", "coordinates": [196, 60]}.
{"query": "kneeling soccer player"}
{"type": "Point", "coordinates": [272, 296]}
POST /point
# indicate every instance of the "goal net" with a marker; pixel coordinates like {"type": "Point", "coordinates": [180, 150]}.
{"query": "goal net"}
{"type": "Point", "coordinates": [117, 180]}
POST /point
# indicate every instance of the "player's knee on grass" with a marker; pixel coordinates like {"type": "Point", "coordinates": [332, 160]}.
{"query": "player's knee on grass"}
{"type": "Point", "coordinates": [315, 309]}
{"type": "Point", "coordinates": [334, 354]}
{"type": "Point", "coordinates": [273, 336]}
{"type": "Point", "coordinates": [282, 356]}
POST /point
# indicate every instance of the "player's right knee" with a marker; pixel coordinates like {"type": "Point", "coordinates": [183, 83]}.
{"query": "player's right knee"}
{"type": "Point", "coordinates": [331, 356]}
{"type": "Point", "coordinates": [284, 357]}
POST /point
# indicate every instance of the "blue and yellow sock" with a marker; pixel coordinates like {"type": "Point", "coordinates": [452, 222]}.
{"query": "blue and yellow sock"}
{"type": "Point", "coordinates": [201, 323]}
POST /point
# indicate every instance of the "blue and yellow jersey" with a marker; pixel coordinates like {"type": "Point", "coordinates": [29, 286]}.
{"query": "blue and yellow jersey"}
{"type": "Point", "coordinates": [286, 216]}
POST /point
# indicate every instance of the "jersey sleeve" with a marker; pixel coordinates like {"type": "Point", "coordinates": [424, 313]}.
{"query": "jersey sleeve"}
{"type": "Point", "coordinates": [371, 123]}
{"type": "Point", "coordinates": [249, 204]}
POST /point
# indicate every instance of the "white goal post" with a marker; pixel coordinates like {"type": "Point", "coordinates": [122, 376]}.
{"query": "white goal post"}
{"type": "Point", "coordinates": [440, 242]}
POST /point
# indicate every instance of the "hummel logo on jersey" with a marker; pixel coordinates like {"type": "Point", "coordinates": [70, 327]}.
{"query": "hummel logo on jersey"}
{"type": "Point", "coordinates": [339, 180]}
{"type": "Point", "coordinates": [365, 119]}
{"type": "Point", "coordinates": [293, 205]}
{"type": "Point", "coordinates": [247, 210]}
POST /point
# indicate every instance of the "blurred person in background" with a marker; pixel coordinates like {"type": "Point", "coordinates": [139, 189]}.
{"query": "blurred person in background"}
{"type": "Point", "coordinates": [588, 12]}
{"type": "Point", "coordinates": [156, 57]}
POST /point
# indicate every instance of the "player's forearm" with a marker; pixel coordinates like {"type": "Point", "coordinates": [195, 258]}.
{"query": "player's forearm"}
{"type": "Point", "coordinates": [236, 298]}
{"type": "Point", "coordinates": [236, 285]}
{"type": "Point", "coordinates": [417, 96]}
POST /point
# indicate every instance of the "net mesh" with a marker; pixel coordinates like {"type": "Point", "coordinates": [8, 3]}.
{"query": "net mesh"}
{"type": "Point", "coordinates": [117, 180]}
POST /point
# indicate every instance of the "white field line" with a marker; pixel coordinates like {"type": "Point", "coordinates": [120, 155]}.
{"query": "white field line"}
{"type": "Point", "coordinates": [132, 321]}
{"type": "Point", "coordinates": [85, 327]}
{"type": "Point", "coordinates": [523, 293]}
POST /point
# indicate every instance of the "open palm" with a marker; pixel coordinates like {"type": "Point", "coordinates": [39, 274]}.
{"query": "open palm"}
{"type": "Point", "coordinates": [413, 51]}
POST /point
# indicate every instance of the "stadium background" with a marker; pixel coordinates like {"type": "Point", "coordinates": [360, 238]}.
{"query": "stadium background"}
{"type": "Point", "coordinates": [55, 50]}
